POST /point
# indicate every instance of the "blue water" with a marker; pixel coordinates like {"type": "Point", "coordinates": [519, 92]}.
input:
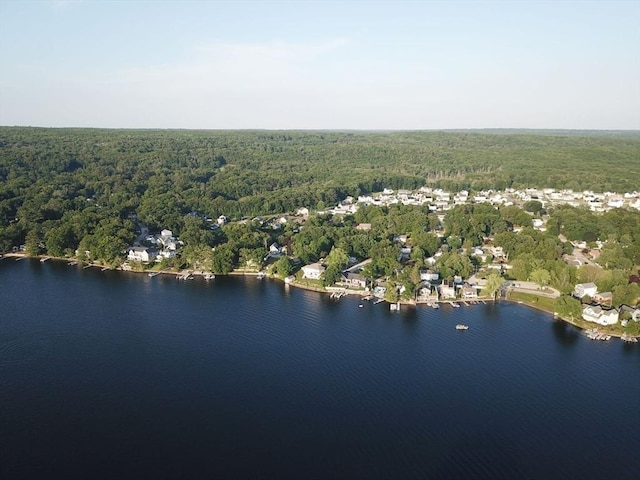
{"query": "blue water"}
{"type": "Point", "coordinates": [116, 375]}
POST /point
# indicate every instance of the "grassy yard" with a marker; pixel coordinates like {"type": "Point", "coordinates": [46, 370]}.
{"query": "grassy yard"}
{"type": "Point", "coordinates": [547, 304]}
{"type": "Point", "coordinates": [543, 303]}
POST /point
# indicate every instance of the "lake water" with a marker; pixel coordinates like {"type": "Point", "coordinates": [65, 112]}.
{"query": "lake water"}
{"type": "Point", "coordinates": [116, 375]}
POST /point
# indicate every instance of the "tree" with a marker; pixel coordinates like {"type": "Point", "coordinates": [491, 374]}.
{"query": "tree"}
{"type": "Point", "coordinates": [454, 264]}
{"type": "Point", "coordinates": [222, 259]}
{"type": "Point", "coordinates": [568, 307]}
{"type": "Point", "coordinates": [626, 294]}
{"type": "Point", "coordinates": [533, 206]}
{"type": "Point", "coordinates": [494, 283]}
{"type": "Point", "coordinates": [283, 267]}
{"type": "Point", "coordinates": [337, 257]}
{"type": "Point", "coordinates": [540, 276]}
{"type": "Point", "coordinates": [331, 275]}
{"type": "Point", "coordinates": [33, 242]}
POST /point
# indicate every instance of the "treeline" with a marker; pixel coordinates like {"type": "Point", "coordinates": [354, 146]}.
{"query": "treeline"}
{"type": "Point", "coordinates": [62, 187]}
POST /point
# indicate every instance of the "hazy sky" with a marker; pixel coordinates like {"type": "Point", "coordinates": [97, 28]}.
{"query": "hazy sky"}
{"type": "Point", "coordinates": [320, 65]}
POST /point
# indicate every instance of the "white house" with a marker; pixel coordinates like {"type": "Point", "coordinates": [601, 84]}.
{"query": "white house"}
{"type": "Point", "coordinates": [600, 316]}
{"type": "Point", "coordinates": [312, 271]}
{"type": "Point", "coordinates": [584, 289]}
{"type": "Point", "coordinates": [429, 276]}
{"type": "Point", "coordinates": [469, 291]}
{"type": "Point", "coordinates": [447, 291]}
{"type": "Point", "coordinates": [138, 254]}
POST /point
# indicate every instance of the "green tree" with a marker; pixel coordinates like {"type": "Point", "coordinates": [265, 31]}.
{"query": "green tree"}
{"type": "Point", "coordinates": [533, 206]}
{"type": "Point", "coordinates": [568, 307]}
{"type": "Point", "coordinates": [626, 294]}
{"type": "Point", "coordinates": [494, 283]}
{"type": "Point", "coordinates": [540, 276]}
{"type": "Point", "coordinates": [337, 257]}
{"type": "Point", "coordinates": [283, 267]}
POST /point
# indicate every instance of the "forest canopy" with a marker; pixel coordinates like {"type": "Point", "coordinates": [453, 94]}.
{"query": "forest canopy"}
{"type": "Point", "coordinates": [61, 187]}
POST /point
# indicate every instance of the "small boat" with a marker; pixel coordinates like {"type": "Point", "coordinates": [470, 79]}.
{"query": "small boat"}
{"type": "Point", "coordinates": [462, 326]}
{"type": "Point", "coordinates": [455, 305]}
{"type": "Point", "coordinates": [261, 275]}
{"type": "Point", "coordinates": [209, 276]}
{"type": "Point", "coordinates": [435, 305]}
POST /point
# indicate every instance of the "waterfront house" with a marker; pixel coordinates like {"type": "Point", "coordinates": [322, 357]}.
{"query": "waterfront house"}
{"type": "Point", "coordinates": [447, 291]}
{"type": "Point", "coordinates": [138, 254]}
{"type": "Point", "coordinates": [468, 291]}
{"type": "Point", "coordinates": [354, 280]}
{"type": "Point", "coordinates": [600, 316]}
{"type": "Point", "coordinates": [605, 299]}
{"type": "Point", "coordinates": [584, 289]}
{"type": "Point", "coordinates": [312, 271]}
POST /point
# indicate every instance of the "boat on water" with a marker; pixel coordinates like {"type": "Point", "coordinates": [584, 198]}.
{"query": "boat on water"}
{"type": "Point", "coordinates": [209, 276]}
{"type": "Point", "coordinates": [462, 326]}
{"type": "Point", "coordinates": [435, 305]}
{"type": "Point", "coordinates": [455, 305]}
{"type": "Point", "coordinates": [261, 275]}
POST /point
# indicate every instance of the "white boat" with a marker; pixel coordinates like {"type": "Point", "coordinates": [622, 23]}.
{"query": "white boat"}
{"type": "Point", "coordinates": [261, 275]}
{"type": "Point", "coordinates": [209, 276]}
{"type": "Point", "coordinates": [461, 326]}
{"type": "Point", "coordinates": [435, 305]}
{"type": "Point", "coordinates": [455, 305]}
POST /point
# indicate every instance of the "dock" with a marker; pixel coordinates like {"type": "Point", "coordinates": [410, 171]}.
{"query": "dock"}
{"type": "Point", "coordinates": [44, 259]}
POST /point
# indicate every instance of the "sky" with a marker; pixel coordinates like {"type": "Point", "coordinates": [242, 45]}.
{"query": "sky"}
{"type": "Point", "coordinates": [365, 65]}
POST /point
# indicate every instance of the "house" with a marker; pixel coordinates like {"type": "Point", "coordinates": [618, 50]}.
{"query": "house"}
{"type": "Point", "coordinates": [468, 291]}
{"type": "Point", "coordinates": [165, 254]}
{"type": "Point", "coordinates": [634, 312]}
{"type": "Point", "coordinates": [600, 316]}
{"type": "Point", "coordinates": [584, 289]}
{"type": "Point", "coordinates": [604, 299]}
{"type": "Point", "coordinates": [405, 253]}
{"type": "Point", "coordinates": [312, 271]}
{"type": "Point", "coordinates": [363, 226]}
{"type": "Point", "coordinates": [447, 291]}
{"type": "Point", "coordinates": [426, 292]}
{"type": "Point", "coordinates": [276, 251]}
{"type": "Point", "coordinates": [303, 212]}
{"type": "Point", "coordinates": [400, 239]}
{"type": "Point", "coordinates": [429, 276]}
{"type": "Point", "coordinates": [353, 280]}
{"type": "Point", "coordinates": [138, 254]}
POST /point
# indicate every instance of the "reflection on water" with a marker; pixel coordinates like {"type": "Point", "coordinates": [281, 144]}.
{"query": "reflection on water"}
{"type": "Point", "coordinates": [565, 333]}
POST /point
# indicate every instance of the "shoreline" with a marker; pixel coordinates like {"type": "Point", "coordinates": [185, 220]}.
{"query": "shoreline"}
{"type": "Point", "coordinates": [344, 291]}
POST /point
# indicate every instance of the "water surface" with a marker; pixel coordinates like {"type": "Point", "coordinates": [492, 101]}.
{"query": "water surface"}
{"type": "Point", "coordinates": [117, 375]}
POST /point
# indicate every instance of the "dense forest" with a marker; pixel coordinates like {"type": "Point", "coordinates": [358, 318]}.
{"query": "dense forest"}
{"type": "Point", "coordinates": [61, 189]}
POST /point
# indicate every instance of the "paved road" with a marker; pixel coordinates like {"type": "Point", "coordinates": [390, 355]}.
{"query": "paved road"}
{"type": "Point", "coordinates": [531, 288]}
{"type": "Point", "coordinates": [144, 231]}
